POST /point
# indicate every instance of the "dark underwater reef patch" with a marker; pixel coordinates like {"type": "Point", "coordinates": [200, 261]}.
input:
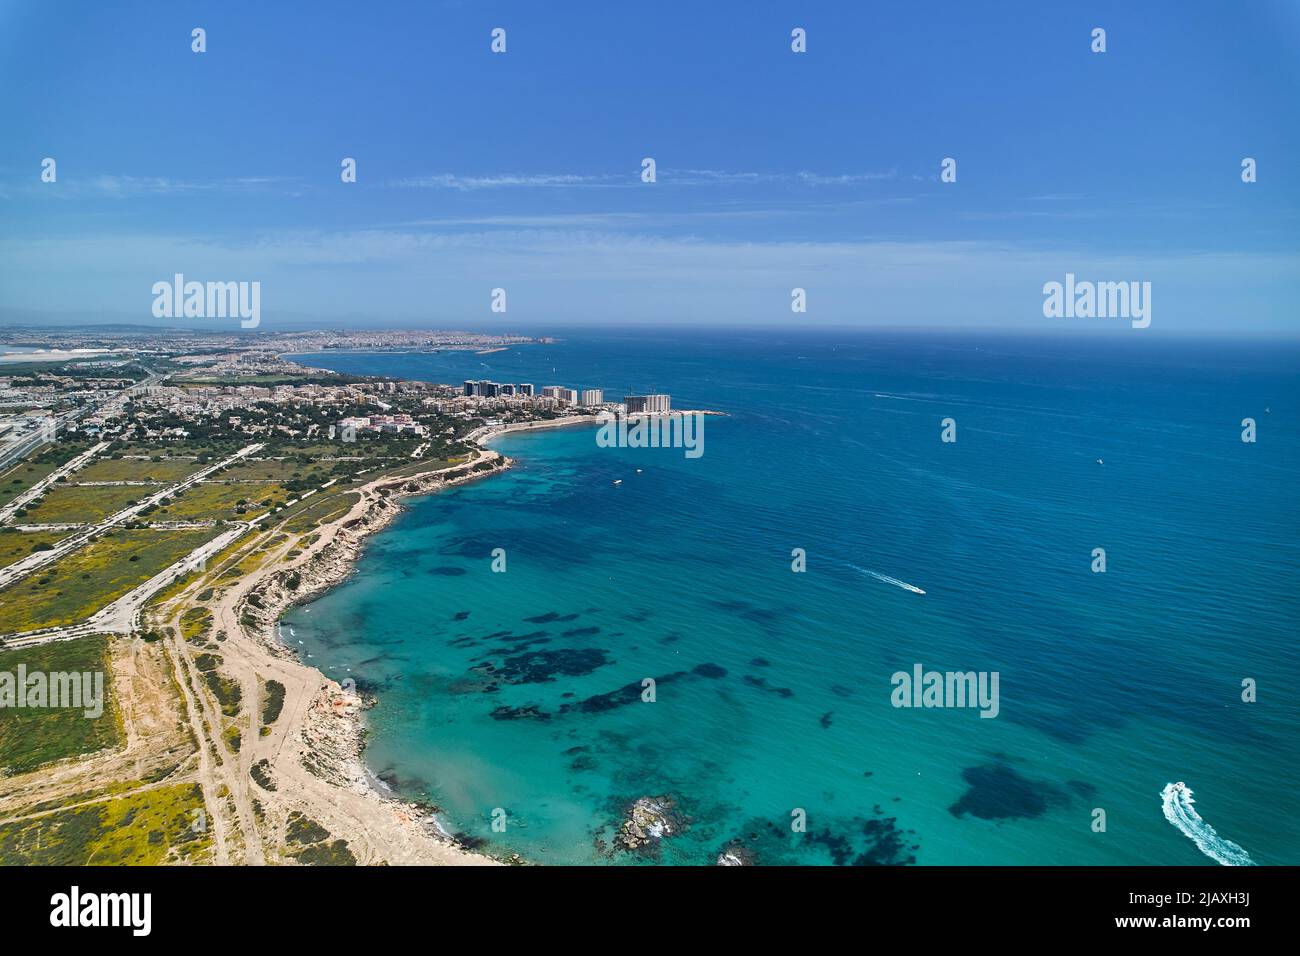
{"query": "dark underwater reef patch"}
{"type": "Point", "coordinates": [619, 697]}
{"type": "Point", "coordinates": [460, 615]}
{"type": "Point", "coordinates": [469, 546]}
{"type": "Point", "coordinates": [582, 762]}
{"type": "Point", "coordinates": [448, 571]}
{"type": "Point", "coordinates": [469, 842]}
{"type": "Point", "coordinates": [631, 693]}
{"type": "Point", "coordinates": [544, 666]}
{"type": "Point", "coordinates": [381, 657]}
{"type": "Point", "coordinates": [762, 684]}
{"type": "Point", "coordinates": [404, 786]}
{"type": "Point", "coordinates": [525, 712]}
{"type": "Point", "coordinates": [540, 667]}
{"type": "Point", "coordinates": [998, 792]}
{"type": "Point", "coordinates": [368, 687]}
{"type": "Point", "coordinates": [517, 645]}
{"type": "Point", "coordinates": [857, 841]}
{"type": "Point", "coordinates": [581, 632]}
{"type": "Point", "coordinates": [1082, 788]}
{"type": "Point", "coordinates": [769, 619]}
{"type": "Point", "coordinates": [551, 617]}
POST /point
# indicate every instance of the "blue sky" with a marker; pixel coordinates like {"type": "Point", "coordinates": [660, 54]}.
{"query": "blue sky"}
{"type": "Point", "coordinates": [775, 169]}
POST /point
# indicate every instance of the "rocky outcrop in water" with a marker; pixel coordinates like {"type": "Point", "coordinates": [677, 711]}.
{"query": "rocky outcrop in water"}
{"type": "Point", "coordinates": [649, 820]}
{"type": "Point", "coordinates": [735, 854]}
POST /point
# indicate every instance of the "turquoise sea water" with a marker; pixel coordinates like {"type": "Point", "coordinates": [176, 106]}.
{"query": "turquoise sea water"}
{"type": "Point", "coordinates": [522, 690]}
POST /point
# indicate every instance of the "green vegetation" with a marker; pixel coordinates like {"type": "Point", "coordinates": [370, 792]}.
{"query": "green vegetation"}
{"type": "Point", "coordinates": [216, 500]}
{"type": "Point", "coordinates": [36, 467]}
{"type": "Point", "coordinates": [310, 377]}
{"type": "Point", "coordinates": [261, 774]}
{"type": "Point", "coordinates": [227, 691]}
{"type": "Point", "coordinates": [195, 623]}
{"type": "Point", "coordinates": [78, 585]}
{"type": "Point", "coordinates": [167, 470]}
{"type": "Point", "coordinates": [71, 504]}
{"type": "Point", "coordinates": [32, 737]}
{"type": "Point", "coordinates": [302, 831]}
{"type": "Point", "coordinates": [335, 853]}
{"type": "Point", "coordinates": [147, 828]}
{"type": "Point", "coordinates": [273, 701]}
{"type": "Point", "coordinates": [321, 508]}
{"type": "Point", "coordinates": [423, 465]}
{"type": "Point", "coordinates": [278, 469]}
{"type": "Point", "coordinates": [16, 545]}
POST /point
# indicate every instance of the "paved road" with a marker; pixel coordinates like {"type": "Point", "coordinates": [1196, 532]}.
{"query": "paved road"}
{"type": "Point", "coordinates": [27, 565]}
{"type": "Point", "coordinates": [36, 490]}
{"type": "Point", "coordinates": [29, 443]}
{"type": "Point", "coordinates": [123, 615]}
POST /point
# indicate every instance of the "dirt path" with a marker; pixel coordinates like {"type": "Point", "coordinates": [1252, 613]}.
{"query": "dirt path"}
{"type": "Point", "coordinates": [318, 722]}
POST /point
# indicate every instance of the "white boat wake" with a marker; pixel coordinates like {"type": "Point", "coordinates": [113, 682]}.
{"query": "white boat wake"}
{"type": "Point", "coordinates": [1180, 811]}
{"type": "Point", "coordinates": [888, 580]}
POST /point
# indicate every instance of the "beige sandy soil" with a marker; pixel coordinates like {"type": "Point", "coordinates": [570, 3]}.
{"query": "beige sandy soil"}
{"type": "Point", "coordinates": [309, 757]}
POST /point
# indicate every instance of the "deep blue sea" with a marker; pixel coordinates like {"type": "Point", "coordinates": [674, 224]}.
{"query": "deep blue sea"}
{"type": "Point", "coordinates": [519, 693]}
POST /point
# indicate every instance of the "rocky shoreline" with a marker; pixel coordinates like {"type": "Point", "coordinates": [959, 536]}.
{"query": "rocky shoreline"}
{"type": "Point", "coordinates": [333, 732]}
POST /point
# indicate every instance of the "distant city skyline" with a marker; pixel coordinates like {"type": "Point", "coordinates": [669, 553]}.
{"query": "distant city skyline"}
{"type": "Point", "coordinates": [774, 170]}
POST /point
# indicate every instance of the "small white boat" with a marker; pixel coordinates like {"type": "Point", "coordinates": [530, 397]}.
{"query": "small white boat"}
{"type": "Point", "coordinates": [638, 471]}
{"type": "Point", "coordinates": [618, 481]}
{"type": "Point", "coordinates": [1100, 462]}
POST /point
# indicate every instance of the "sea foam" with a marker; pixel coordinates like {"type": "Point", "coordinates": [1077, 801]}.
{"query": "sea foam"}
{"type": "Point", "coordinates": [1180, 811]}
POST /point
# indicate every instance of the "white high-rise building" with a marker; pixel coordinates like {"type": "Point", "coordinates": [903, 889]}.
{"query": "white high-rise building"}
{"type": "Point", "coordinates": [565, 396]}
{"type": "Point", "coordinates": [592, 398]}
{"type": "Point", "coordinates": [648, 403]}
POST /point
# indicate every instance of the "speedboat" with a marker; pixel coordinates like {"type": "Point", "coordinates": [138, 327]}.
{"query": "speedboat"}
{"type": "Point", "coordinates": [1180, 785]}
{"type": "Point", "coordinates": [618, 481]}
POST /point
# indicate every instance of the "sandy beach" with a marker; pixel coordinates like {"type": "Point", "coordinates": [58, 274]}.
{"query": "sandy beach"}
{"type": "Point", "coordinates": [313, 754]}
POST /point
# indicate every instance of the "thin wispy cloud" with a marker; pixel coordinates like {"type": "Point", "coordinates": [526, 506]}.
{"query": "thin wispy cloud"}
{"type": "Point", "coordinates": [665, 176]}
{"type": "Point", "coordinates": [117, 186]}
{"type": "Point", "coordinates": [502, 181]}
